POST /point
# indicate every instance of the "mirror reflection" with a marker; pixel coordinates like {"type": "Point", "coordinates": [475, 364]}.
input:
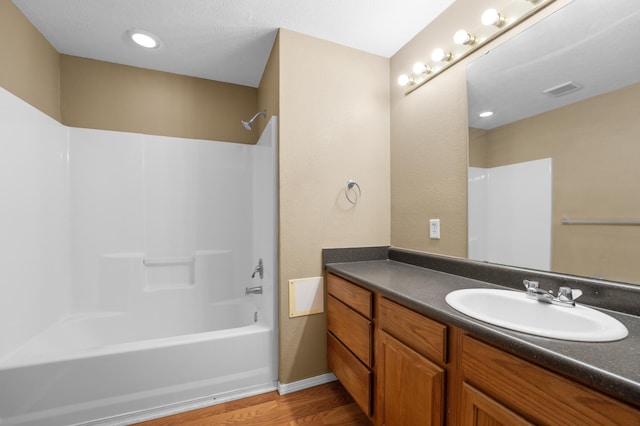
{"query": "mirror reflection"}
{"type": "Point", "coordinates": [565, 95]}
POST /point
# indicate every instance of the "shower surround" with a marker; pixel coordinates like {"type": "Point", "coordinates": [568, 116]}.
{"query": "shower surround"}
{"type": "Point", "coordinates": [124, 263]}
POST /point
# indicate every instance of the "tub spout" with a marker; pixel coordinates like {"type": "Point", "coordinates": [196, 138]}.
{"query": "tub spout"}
{"type": "Point", "coordinates": [253, 290]}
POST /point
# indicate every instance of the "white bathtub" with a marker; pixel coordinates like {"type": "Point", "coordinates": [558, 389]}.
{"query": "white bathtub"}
{"type": "Point", "coordinates": [111, 368]}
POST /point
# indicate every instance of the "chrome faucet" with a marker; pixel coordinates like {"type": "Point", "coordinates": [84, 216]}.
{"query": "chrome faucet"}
{"type": "Point", "coordinates": [566, 295]}
{"type": "Point", "coordinates": [253, 290]}
{"type": "Point", "coordinates": [259, 269]}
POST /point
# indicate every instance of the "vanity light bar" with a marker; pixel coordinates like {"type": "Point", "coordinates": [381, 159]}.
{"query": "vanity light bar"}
{"type": "Point", "coordinates": [495, 23]}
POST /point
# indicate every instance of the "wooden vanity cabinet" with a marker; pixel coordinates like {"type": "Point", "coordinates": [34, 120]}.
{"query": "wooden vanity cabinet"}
{"type": "Point", "coordinates": [422, 372]}
{"type": "Point", "coordinates": [350, 338]}
{"type": "Point", "coordinates": [501, 389]}
{"type": "Point", "coordinates": [410, 378]}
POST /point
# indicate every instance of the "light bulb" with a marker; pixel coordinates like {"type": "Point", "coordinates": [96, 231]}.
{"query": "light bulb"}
{"type": "Point", "coordinates": [421, 68]}
{"type": "Point", "coordinates": [492, 17]}
{"type": "Point", "coordinates": [405, 80]}
{"type": "Point", "coordinates": [485, 114]}
{"type": "Point", "coordinates": [464, 38]}
{"type": "Point", "coordinates": [440, 55]}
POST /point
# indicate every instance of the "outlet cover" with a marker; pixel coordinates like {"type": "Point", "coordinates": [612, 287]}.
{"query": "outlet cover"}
{"type": "Point", "coordinates": [434, 229]}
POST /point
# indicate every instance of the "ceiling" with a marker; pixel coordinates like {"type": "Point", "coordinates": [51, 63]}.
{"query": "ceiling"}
{"type": "Point", "coordinates": [592, 43]}
{"type": "Point", "coordinates": [222, 40]}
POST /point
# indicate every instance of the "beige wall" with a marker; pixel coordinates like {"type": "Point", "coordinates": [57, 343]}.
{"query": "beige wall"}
{"type": "Point", "coordinates": [269, 88]}
{"type": "Point", "coordinates": [429, 135]}
{"type": "Point", "coordinates": [29, 65]}
{"type": "Point", "coordinates": [478, 148]}
{"type": "Point", "coordinates": [593, 145]}
{"type": "Point", "coordinates": [93, 94]}
{"type": "Point", "coordinates": [334, 126]}
{"type": "Point", "coordinates": [103, 95]}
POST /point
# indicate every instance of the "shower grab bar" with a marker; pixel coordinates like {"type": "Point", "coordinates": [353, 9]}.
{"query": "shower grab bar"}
{"type": "Point", "coordinates": [567, 221]}
{"type": "Point", "coordinates": [169, 261]}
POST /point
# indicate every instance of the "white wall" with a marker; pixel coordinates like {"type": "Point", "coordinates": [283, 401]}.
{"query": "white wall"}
{"type": "Point", "coordinates": [161, 198]}
{"type": "Point", "coordinates": [77, 201]}
{"type": "Point", "coordinates": [34, 221]}
{"type": "Point", "coordinates": [477, 196]}
{"type": "Point", "coordinates": [510, 214]}
{"type": "Point", "coordinates": [265, 230]}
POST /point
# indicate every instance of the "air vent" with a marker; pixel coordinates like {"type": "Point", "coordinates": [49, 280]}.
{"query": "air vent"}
{"type": "Point", "coordinates": [562, 89]}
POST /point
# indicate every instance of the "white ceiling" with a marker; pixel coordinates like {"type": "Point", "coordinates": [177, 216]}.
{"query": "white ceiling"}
{"type": "Point", "coordinates": [223, 40]}
{"type": "Point", "coordinates": [593, 43]}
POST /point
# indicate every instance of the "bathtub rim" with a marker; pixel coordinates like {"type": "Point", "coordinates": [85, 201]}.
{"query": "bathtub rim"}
{"type": "Point", "coordinates": [140, 345]}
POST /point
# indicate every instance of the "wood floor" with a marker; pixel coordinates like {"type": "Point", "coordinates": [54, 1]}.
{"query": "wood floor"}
{"type": "Point", "coordinates": [327, 404]}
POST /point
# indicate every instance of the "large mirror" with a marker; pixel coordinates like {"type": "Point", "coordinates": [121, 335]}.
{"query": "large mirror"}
{"type": "Point", "coordinates": [566, 92]}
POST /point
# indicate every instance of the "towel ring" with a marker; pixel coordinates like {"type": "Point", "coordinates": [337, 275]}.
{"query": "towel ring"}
{"type": "Point", "coordinates": [358, 194]}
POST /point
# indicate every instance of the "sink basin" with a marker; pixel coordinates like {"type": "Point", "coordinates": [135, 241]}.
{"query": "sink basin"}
{"type": "Point", "coordinates": [515, 311]}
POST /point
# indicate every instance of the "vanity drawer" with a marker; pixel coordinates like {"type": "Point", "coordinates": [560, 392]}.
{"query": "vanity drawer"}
{"type": "Point", "coordinates": [354, 330]}
{"type": "Point", "coordinates": [353, 375]}
{"type": "Point", "coordinates": [424, 335]}
{"type": "Point", "coordinates": [356, 297]}
{"type": "Point", "coordinates": [537, 393]}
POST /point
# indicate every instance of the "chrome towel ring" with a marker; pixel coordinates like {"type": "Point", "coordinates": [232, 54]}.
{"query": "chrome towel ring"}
{"type": "Point", "coordinates": [357, 192]}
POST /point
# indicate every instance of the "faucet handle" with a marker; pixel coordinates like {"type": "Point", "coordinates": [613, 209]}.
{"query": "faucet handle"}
{"type": "Point", "coordinates": [530, 284]}
{"type": "Point", "coordinates": [568, 294]}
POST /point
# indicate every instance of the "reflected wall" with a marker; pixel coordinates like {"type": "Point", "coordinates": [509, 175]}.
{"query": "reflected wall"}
{"type": "Point", "coordinates": [591, 143]}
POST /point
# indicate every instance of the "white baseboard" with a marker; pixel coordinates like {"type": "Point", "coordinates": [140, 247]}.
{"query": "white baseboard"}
{"type": "Point", "coordinates": [285, 388]}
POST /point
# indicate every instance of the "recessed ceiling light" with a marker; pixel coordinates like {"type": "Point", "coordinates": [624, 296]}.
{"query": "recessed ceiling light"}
{"type": "Point", "coordinates": [143, 38]}
{"type": "Point", "coordinates": [485, 114]}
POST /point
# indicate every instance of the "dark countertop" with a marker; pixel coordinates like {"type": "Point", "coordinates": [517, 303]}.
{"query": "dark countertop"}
{"type": "Point", "coordinates": [612, 367]}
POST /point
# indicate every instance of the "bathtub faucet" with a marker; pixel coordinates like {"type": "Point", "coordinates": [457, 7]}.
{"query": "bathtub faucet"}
{"type": "Point", "coordinates": [253, 290]}
{"type": "Point", "coordinates": [259, 269]}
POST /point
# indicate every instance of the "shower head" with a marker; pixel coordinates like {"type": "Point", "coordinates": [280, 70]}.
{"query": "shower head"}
{"type": "Point", "coordinates": [247, 124]}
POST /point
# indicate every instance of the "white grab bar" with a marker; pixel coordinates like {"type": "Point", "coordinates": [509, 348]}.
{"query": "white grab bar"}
{"type": "Point", "coordinates": [567, 221]}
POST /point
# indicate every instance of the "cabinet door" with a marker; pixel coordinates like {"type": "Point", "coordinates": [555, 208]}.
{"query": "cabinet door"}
{"type": "Point", "coordinates": [537, 393]}
{"type": "Point", "coordinates": [412, 386]}
{"type": "Point", "coordinates": [479, 409]}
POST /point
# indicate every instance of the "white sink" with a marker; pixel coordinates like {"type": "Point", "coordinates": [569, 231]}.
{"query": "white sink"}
{"type": "Point", "coordinates": [515, 311]}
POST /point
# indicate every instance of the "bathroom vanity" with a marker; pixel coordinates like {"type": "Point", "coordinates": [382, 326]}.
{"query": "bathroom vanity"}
{"type": "Point", "coordinates": [408, 358]}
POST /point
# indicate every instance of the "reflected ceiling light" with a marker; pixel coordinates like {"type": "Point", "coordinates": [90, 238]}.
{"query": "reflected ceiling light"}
{"type": "Point", "coordinates": [405, 80]}
{"type": "Point", "coordinates": [143, 38]}
{"type": "Point", "coordinates": [421, 68]}
{"type": "Point", "coordinates": [441, 55]}
{"type": "Point", "coordinates": [485, 114]}
{"type": "Point", "coordinates": [493, 17]}
{"type": "Point", "coordinates": [464, 38]}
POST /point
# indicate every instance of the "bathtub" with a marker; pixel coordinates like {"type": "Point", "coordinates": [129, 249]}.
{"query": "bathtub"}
{"type": "Point", "coordinates": [109, 368]}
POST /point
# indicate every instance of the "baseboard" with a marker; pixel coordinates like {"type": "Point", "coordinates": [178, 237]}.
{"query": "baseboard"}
{"type": "Point", "coordinates": [285, 388]}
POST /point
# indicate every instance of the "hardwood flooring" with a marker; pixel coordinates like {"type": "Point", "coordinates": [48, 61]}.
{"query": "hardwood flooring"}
{"type": "Point", "coordinates": [322, 405]}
